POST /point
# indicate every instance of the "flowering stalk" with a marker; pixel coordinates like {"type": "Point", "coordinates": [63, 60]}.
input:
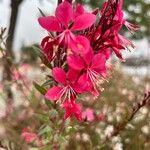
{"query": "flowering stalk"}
{"type": "Point", "coordinates": [135, 110]}
{"type": "Point", "coordinates": [80, 48]}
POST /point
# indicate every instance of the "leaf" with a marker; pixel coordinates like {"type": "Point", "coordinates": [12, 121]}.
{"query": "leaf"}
{"type": "Point", "coordinates": [41, 89]}
{"type": "Point", "coordinates": [38, 50]}
{"type": "Point", "coordinates": [47, 83]}
{"type": "Point", "coordinates": [53, 113]}
{"type": "Point", "coordinates": [42, 56]}
{"type": "Point", "coordinates": [44, 130]}
{"type": "Point", "coordinates": [1, 49]}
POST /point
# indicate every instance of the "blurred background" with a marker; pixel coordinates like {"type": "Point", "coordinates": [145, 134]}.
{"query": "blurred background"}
{"type": "Point", "coordinates": [19, 17]}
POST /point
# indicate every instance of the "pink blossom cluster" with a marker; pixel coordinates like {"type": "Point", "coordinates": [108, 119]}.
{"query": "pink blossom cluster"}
{"type": "Point", "coordinates": [30, 137]}
{"type": "Point", "coordinates": [78, 46]}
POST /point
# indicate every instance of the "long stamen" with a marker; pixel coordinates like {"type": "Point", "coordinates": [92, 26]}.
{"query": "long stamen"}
{"type": "Point", "coordinates": [66, 93]}
{"type": "Point", "coordinates": [63, 91]}
{"type": "Point", "coordinates": [95, 78]}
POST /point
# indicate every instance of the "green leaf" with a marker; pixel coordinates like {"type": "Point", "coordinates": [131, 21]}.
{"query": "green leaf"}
{"type": "Point", "coordinates": [53, 113]}
{"type": "Point", "coordinates": [42, 56]}
{"type": "Point", "coordinates": [41, 89]}
{"type": "Point", "coordinates": [44, 130]}
{"type": "Point", "coordinates": [1, 49]}
{"type": "Point", "coordinates": [37, 50]}
{"type": "Point", "coordinates": [47, 83]}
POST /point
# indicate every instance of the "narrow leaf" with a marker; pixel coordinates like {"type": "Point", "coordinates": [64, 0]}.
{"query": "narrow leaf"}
{"type": "Point", "coordinates": [41, 89]}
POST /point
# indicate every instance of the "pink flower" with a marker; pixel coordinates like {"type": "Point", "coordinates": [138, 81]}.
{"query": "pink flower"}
{"type": "Point", "coordinates": [67, 20]}
{"type": "Point", "coordinates": [81, 45]}
{"type": "Point", "coordinates": [93, 67]}
{"type": "Point", "coordinates": [67, 85]}
{"type": "Point", "coordinates": [79, 49]}
{"type": "Point", "coordinates": [71, 109]}
{"type": "Point", "coordinates": [107, 52]}
{"type": "Point", "coordinates": [109, 26]}
{"type": "Point", "coordinates": [30, 137]}
{"type": "Point", "coordinates": [119, 20]}
{"type": "Point", "coordinates": [88, 115]}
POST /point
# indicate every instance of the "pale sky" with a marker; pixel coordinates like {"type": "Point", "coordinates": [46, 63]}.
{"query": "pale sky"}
{"type": "Point", "coordinates": [28, 29]}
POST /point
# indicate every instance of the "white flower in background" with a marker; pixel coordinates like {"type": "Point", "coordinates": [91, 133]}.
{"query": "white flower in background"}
{"type": "Point", "coordinates": [85, 137]}
{"type": "Point", "coordinates": [145, 129]}
{"type": "Point", "coordinates": [118, 146]}
{"type": "Point", "coordinates": [116, 139]}
{"type": "Point", "coordinates": [108, 131]}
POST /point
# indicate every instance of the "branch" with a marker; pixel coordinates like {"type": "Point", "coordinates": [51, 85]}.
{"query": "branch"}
{"type": "Point", "coordinates": [120, 127]}
{"type": "Point", "coordinates": [20, 1]}
{"type": "Point", "coordinates": [135, 109]}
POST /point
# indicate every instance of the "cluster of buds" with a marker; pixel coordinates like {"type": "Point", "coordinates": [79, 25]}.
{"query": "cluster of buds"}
{"type": "Point", "coordinates": [78, 46]}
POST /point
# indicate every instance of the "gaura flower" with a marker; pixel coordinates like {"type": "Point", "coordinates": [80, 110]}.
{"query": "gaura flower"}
{"type": "Point", "coordinates": [88, 115]}
{"type": "Point", "coordinates": [119, 19]}
{"type": "Point", "coordinates": [30, 137]}
{"type": "Point", "coordinates": [72, 109]}
{"type": "Point", "coordinates": [48, 46]}
{"type": "Point", "coordinates": [67, 85]}
{"type": "Point", "coordinates": [67, 20]}
{"type": "Point", "coordinates": [93, 66]}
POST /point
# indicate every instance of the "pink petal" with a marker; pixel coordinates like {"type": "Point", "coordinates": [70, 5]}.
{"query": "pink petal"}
{"type": "Point", "coordinates": [77, 112]}
{"type": "Point", "coordinates": [71, 108]}
{"type": "Point", "coordinates": [69, 38]}
{"type": "Point", "coordinates": [88, 115]}
{"type": "Point", "coordinates": [67, 114]}
{"type": "Point", "coordinates": [118, 53]}
{"type": "Point", "coordinates": [99, 61]}
{"type": "Point", "coordinates": [72, 75]}
{"type": "Point", "coordinates": [75, 62]}
{"type": "Point", "coordinates": [53, 93]}
{"type": "Point", "coordinates": [81, 45]}
{"type": "Point", "coordinates": [107, 52]}
{"type": "Point", "coordinates": [64, 13]}
{"type": "Point", "coordinates": [50, 23]}
{"type": "Point", "coordinates": [88, 56]}
{"type": "Point", "coordinates": [82, 85]}
{"type": "Point", "coordinates": [59, 75]}
{"type": "Point", "coordinates": [79, 10]}
{"type": "Point", "coordinates": [83, 21]}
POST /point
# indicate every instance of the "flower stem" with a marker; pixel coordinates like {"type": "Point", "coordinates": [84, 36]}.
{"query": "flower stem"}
{"type": "Point", "coordinates": [120, 127]}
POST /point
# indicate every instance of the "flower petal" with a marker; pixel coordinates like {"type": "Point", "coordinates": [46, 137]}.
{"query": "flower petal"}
{"type": "Point", "coordinates": [64, 13]}
{"type": "Point", "coordinates": [59, 75]}
{"type": "Point", "coordinates": [50, 23]}
{"type": "Point", "coordinates": [72, 75]}
{"type": "Point", "coordinates": [71, 108]}
{"type": "Point", "coordinates": [75, 62]}
{"type": "Point", "coordinates": [99, 61]}
{"type": "Point", "coordinates": [83, 21]}
{"type": "Point", "coordinates": [88, 56]}
{"type": "Point", "coordinates": [53, 93]}
{"type": "Point", "coordinates": [81, 45]}
{"type": "Point", "coordinates": [79, 10]}
{"type": "Point", "coordinates": [82, 85]}
{"type": "Point", "coordinates": [107, 52]}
